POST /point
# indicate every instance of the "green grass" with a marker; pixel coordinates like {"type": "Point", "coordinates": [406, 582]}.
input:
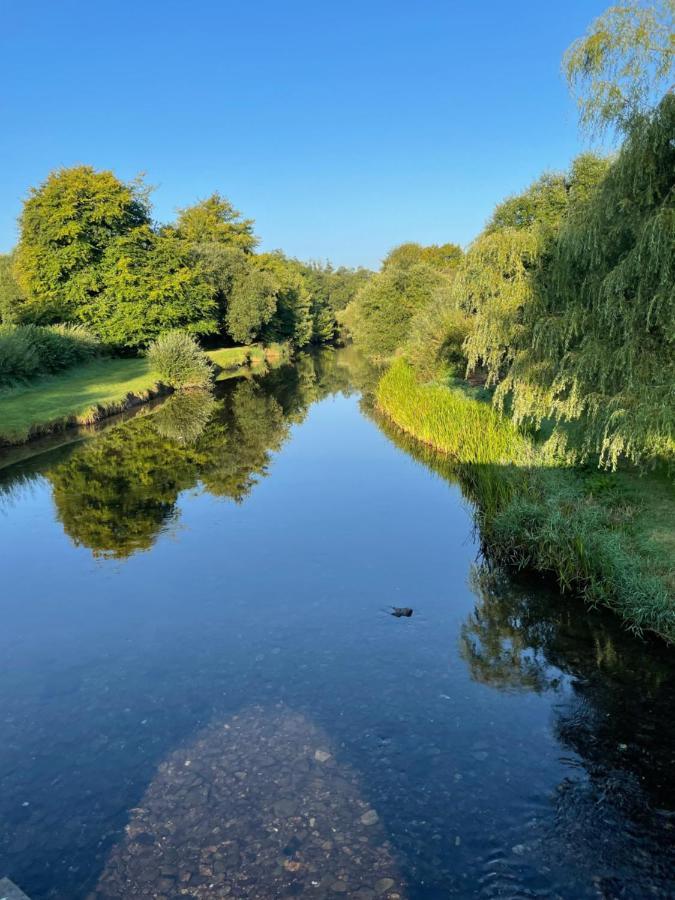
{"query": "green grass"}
{"type": "Point", "coordinates": [253, 356]}
{"type": "Point", "coordinates": [233, 357]}
{"type": "Point", "coordinates": [71, 397]}
{"type": "Point", "coordinates": [604, 536]}
{"type": "Point", "coordinates": [85, 393]}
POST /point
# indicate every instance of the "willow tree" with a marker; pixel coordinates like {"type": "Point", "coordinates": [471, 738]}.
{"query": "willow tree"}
{"type": "Point", "coordinates": [497, 282]}
{"type": "Point", "coordinates": [621, 68]}
{"type": "Point", "coordinates": [604, 338]}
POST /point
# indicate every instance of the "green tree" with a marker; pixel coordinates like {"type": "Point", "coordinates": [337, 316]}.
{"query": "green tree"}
{"type": "Point", "coordinates": [379, 317]}
{"type": "Point", "coordinates": [66, 226]}
{"type": "Point", "coordinates": [622, 67]}
{"type": "Point", "coordinates": [445, 257]}
{"type": "Point", "coordinates": [11, 296]}
{"type": "Point", "coordinates": [252, 303]}
{"type": "Point", "coordinates": [215, 220]}
{"type": "Point", "coordinates": [497, 281]}
{"type": "Point", "coordinates": [603, 347]}
{"type": "Point", "coordinates": [292, 320]}
{"type": "Point", "coordinates": [149, 285]}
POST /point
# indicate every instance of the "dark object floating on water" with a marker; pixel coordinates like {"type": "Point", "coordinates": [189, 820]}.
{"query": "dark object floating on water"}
{"type": "Point", "coordinates": [400, 611]}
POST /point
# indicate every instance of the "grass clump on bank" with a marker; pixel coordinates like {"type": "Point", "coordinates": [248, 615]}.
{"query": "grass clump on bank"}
{"type": "Point", "coordinates": [29, 351]}
{"type": "Point", "coordinates": [602, 535]}
{"type": "Point", "coordinates": [179, 361]}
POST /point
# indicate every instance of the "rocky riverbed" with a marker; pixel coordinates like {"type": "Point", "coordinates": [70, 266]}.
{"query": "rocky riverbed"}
{"type": "Point", "coordinates": [257, 807]}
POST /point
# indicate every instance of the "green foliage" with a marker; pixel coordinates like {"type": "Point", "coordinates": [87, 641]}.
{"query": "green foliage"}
{"type": "Point", "coordinates": [624, 64]}
{"type": "Point", "coordinates": [333, 288]}
{"type": "Point", "coordinates": [11, 295]}
{"type": "Point", "coordinates": [379, 316]}
{"type": "Point", "coordinates": [444, 257]}
{"type": "Point", "coordinates": [601, 350]}
{"type": "Point", "coordinates": [292, 320]}
{"type": "Point", "coordinates": [149, 286]}
{"type": "Point", "coordinates": [215, 220]}
{"type": "Point", "coordinates": [27, 351]}
{"type": "Point", "coordinates": [252, 303]}
{"type": "Point", "coordinates": [67, 225]}
{"type": "Point", "coordinates": [448, 419]}
{"type": "Point", "coordinates": [178, 360]}
{"type": "Point", "coordinates": [221, 266]}
{"type": "Point", "coordinates": [543, 204]}
{"type": "Point", "coordinates": [497, 280]}
{"type": "Point", "coordinates": [436, 337]}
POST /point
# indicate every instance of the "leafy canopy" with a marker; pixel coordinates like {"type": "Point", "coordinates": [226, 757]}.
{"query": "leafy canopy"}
{"type": "Point", "coordinates": [215, 220]}
{"type": "Point", "coordinates": [623, 65]}
{"type": "Point", "coordinates": [66, 226]}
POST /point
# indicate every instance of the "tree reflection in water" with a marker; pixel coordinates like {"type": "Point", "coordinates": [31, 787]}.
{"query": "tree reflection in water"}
{"type": "Point", "coordinates": [117, 493]}
{"type": "Point", "coordinates": [614, 714]}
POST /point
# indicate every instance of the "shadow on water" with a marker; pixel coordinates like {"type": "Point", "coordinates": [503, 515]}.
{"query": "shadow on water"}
{"type": "Point", "coordinates": [521, 750]}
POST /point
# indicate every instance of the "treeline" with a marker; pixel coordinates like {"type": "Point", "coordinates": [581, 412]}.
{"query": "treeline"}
{"type": "Point", "coordinates": [90, 254]}
{"type": "Point", "coordinates": [564, 305]}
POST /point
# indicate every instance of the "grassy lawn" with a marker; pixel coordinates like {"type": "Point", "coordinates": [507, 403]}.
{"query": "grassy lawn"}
{"type": "Point", "coordinates": [231, 357]}
{"type": "Point", "coordinates": [71, 395]}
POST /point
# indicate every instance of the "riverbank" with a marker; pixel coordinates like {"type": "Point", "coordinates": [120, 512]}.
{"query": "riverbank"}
{"type": "Point", "coordinates": [104, 387]}
{"type": "Point", "coordinates": [604, 536]}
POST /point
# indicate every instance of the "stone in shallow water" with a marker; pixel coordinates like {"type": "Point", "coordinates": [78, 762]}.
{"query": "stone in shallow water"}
{"type": "Point", "coordinates": [322, 756]}
{"type": "Point", "coordinates": [370, 817]}
{"type": "Point", "coordinates": [9, 891]}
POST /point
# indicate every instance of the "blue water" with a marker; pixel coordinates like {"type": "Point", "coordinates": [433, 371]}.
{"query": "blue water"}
{"type": "Point", "coordinates": [181, 635]}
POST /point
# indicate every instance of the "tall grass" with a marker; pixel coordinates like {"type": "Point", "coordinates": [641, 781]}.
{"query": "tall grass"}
{"type": "Point", "coordinates": [28, 351]}
{"type": "Point", "coordinates": [450, 420]}
{"type": "Point", "coordinates": [179, 361]}
{"type": "Point", "coordinates": [592, 531]}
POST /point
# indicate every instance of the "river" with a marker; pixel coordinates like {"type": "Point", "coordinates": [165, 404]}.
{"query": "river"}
{"type": "Point", "coordinates": [203, 693]}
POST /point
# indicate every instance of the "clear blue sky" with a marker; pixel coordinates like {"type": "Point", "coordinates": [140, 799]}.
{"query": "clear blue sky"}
{"type": "Point", "coordinates": [343, 128]}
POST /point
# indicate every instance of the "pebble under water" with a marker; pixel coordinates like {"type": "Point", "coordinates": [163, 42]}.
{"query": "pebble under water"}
{"type": "Point", "coordinates": [204, 693]}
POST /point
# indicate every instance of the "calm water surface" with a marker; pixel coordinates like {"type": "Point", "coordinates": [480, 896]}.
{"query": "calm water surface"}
{"type": "Point", "coordinates": [202, 694]}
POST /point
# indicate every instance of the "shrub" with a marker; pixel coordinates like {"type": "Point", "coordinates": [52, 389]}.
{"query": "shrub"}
{"type": "Point", "coordinates": [436, 339]}
{"type": "Point", "coordinates": [27, 351]}
{"type": "Point", "coordinates": [179, 361]}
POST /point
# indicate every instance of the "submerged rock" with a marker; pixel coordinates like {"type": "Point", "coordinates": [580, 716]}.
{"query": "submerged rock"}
{"type": "Point", "coordinates": [401, 611]}
{"type": "Point", "coordinates": [259, 813]}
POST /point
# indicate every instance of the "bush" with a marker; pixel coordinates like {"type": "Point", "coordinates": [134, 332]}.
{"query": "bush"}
{"type": "Point", "coordinates": [436, 340]}
{"type": "Point", "coordinates": [27, 351]}
{"type": "Point", "coordinates": [179, 361]}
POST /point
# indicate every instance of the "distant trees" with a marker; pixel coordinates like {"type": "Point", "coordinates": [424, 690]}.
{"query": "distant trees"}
{"type": "Point", "coordinates": [412, 276]}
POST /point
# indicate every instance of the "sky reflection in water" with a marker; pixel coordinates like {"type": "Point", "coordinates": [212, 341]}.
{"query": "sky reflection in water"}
{"type": "Point", "coordinates": [164, 601]}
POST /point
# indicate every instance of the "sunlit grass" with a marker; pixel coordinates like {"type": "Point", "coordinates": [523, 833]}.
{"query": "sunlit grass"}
{"type": "Point", "coordinates": [71, 397]}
